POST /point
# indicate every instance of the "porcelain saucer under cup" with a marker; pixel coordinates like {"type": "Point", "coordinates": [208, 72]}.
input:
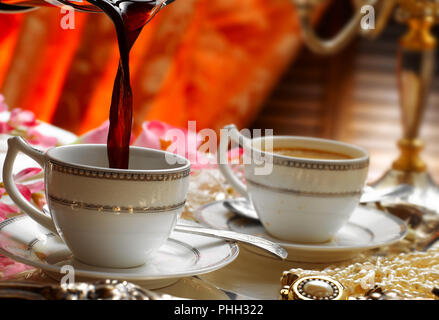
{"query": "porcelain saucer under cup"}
{"type": "Point", "coordinates": [183, 255]}
{"type": "Point", "coordinates": [107, 217]}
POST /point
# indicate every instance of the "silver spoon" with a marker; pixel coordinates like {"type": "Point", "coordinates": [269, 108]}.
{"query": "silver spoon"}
{"type": "Point", "coordinates": [244, 208]}
{"type": "Point", "coordinates": [264, 244]}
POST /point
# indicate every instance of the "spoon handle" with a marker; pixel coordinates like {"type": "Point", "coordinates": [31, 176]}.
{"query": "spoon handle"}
{"type": "Point", "coordinates": [379, 195]}
{"type": "Point", "coordinates": [271, 247]}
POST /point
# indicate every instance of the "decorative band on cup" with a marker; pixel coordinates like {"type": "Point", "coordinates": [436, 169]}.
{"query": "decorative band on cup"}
{"type": "Point", "coordinates": [127, 176]}
{"type": "Point", "coordinates": [306, 193]}
{"type": "Point", "coordinates": [114, 209]}
{"type": "Point", "coordinates": [311, 164]}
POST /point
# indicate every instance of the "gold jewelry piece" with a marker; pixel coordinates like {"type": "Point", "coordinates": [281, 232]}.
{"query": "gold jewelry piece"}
{"type": "Point", "coordinates": [311, 288]}
{"type": "Point", "coordinates": [101, 290]}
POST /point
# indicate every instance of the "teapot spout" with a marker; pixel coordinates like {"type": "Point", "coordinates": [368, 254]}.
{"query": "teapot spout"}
{"type": "Point", "coordinates": [160, 4]}
{"type": "Point", "coordinates": [9, 8]}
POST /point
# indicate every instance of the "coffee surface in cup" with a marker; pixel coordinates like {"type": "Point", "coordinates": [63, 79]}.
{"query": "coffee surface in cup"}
{"type": "Point", "coordinates": [311, 154]}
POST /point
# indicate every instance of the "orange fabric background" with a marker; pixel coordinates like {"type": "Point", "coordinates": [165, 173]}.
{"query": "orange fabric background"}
{"type": "Point", "coordinates": [213, 61]}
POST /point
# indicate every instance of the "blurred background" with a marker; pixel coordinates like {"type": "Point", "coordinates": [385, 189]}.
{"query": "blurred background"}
{"type": "Point", "coordinates": [217, 62]}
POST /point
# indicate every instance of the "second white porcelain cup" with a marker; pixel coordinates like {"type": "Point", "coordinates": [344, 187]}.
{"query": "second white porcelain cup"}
{"type": "Point", "coordinates": [299, 199]}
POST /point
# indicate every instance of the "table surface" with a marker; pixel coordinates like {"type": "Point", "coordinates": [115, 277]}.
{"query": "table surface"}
{"type": "Point", "coordinates": [410, 274]}
{"type": "Point", "coordinates": [251, 276]}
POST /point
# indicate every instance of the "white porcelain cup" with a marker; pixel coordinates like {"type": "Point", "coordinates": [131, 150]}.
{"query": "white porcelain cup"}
{"type": "Point", "coordinates": [298, 200]}
{"type": "Point", "coordinates": [107, 217]}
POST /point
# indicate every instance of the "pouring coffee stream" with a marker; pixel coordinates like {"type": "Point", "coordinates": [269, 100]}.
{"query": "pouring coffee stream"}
{"type": "Point", "coordinates": [129, 17]}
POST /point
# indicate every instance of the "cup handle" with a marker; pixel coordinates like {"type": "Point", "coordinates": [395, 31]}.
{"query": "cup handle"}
{"type": "Point", "coordinates": [15, 145]}
{"type": "Point", "coordinates": [231, 132]}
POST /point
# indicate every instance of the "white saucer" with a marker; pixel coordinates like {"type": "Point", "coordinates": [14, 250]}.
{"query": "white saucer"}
{"type": "Point", "coordinates": [368, 228]}
{"type": "Point", "coordinates": [183, 255]}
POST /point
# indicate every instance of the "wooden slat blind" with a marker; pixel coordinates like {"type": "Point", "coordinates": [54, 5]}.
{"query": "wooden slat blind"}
{"type": "Point", "coordinates": [352, 97]}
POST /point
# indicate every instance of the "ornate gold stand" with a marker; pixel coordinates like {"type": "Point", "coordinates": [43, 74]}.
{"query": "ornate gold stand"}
{"type": "Point", "coordinates": [415, 72]}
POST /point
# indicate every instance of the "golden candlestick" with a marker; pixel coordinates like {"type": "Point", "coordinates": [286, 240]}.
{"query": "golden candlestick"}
{"type": "Point", "coordinates": [415, 69]}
